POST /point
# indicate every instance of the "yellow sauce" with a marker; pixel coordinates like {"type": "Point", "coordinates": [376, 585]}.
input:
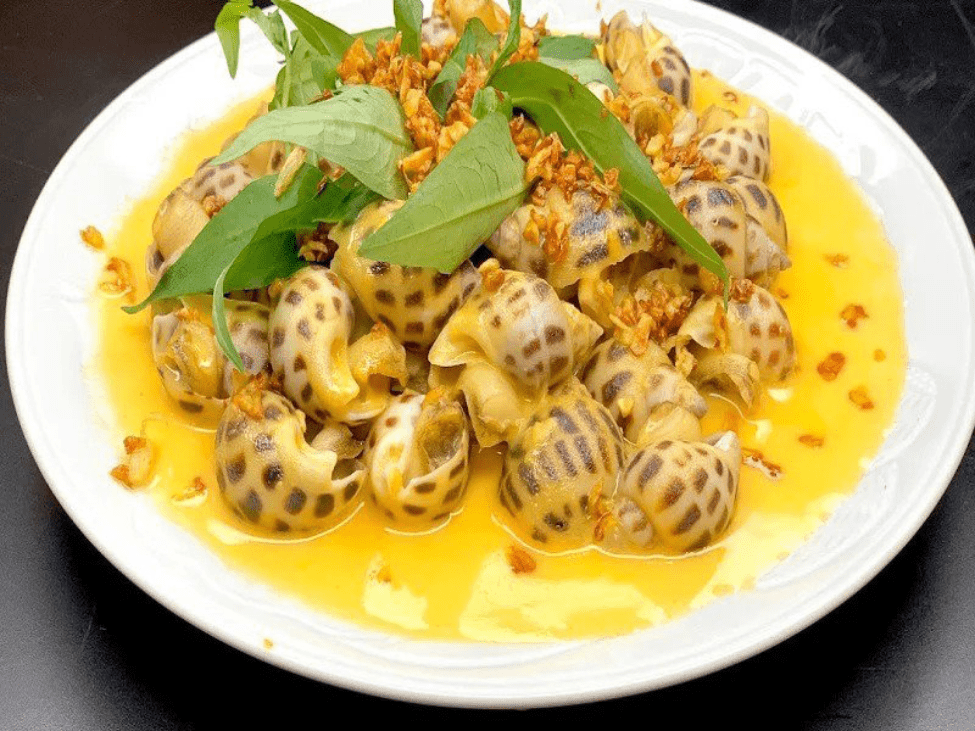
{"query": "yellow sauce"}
{"type": "Point", "coordinates": [456, 582]}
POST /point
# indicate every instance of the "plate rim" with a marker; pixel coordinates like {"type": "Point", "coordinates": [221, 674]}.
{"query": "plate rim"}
{"type": "Point", "coordinates": [953, 449]}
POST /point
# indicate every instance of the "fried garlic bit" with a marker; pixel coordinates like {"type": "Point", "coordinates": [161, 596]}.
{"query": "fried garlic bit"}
{"type": "Point", "coordinates": [93, 238]}
{"type": "Point", "coordinates": [756, 460]}
{"type": "Point", "coordinates": [811, 440]}
{"type": "Point", "coordinates": [861, 398]}
{"type": "Point", "coordinates": [409, 79]}
{"type": "Point", "coordinates": [195, 492]}
{"type": "Point", "coordinates": [520, 561]}
{"type": "Point", "coordinates": [852, 314]}
{"type": "Point", "coordinates": [840, 261]}
{"type": "Point", "coordinates": [117, 278]}
{"type": "Point", "coordinates": [137, 467]}
{"type": "Point", "coordinates": [654, 313]}
{"type": "Point", "coordinates": [316, 246]}
{"type": "Point", "coordinates": [212, 204]}
{"type": "Point", "coordinates": [492, 275]}
{"type": "Point", "coordinates": [831, 366]}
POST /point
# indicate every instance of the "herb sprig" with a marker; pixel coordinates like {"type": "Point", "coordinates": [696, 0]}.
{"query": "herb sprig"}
{"type": "Point", "coordinates": [458, 206]}
{"type": "Point", "coordinates": [252, 241]}
{"type": "Point", "coordinates": [361, 129]}
{"type": "Point", "coordinates": [556, 102]}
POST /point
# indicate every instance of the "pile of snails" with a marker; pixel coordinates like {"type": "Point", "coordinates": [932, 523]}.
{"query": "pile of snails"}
{"type": "Point", "coordinates": [371, 382]}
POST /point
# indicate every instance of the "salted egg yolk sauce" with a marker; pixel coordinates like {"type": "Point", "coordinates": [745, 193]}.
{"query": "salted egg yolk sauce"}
{"type": "Point", "coordinates": [457, 582]}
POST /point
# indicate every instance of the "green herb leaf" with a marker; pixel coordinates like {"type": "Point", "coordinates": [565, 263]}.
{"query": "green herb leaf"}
{"type": "Point", "coordinates": [227, 26]}
{"type": "Point", "coordinates": [487, 99]}
{"type": "Point", "coordinates": [459, 205]}
{"type": "Point", "coordinates": [272, 27]}
{"type": "Point", "coordinates": [342, 201]}
{"type": "Point", "coordinates": [559, 103]}
{"type": "Point", "coordinates": [303, 78]}
{"type": "Point", "coordinates": [409, 16]}
{"type": "Point", "coordinates": [584, 70]}
{"type": "Point", "coordinates": [361, 129]}
{"type": "Point", "coordinates": [476, 39]}
{"type": "Point", "coordinates": [327, 39]}
{"type": "Point", "coordinates": [249, 216]}
{"type": "Point", "coordinates": [258, 264]}
{"type": "Point", "coordinates": [567, 48]}
{"type": "Point", "coordinates": [374, 35]}
{"type": "Point", "coordinates": [512, 40]}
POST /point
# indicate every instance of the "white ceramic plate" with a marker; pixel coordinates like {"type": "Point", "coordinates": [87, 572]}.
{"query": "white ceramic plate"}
{"type": "Point", "coordinates": [50, 338]}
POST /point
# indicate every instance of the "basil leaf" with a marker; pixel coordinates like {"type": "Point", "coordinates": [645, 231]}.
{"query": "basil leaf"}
{"type": "Point", "coordinates": [249, 216]}
{"type": "Point", "coordinates": [259, 263]}
{"type": "Point", "coordinates": [227, 26]}
{"type": "Point", "coordinates": [409, 16]}
{"type": "Point", "coordinates": [584, 70]}
{"type": "Point", "coordinates": [373, 36]}
{"type": "Point", "coordinates": [567, 48]}
{"type": "Point", "coordinates": [264, 260]}
{"type": "Point", "coordinates": [559, 103]}
{"type": "Point", "coordinates": [272, 27]}
{"type": "Point", "coordinates": [361, 129]}
{"type": "Point", "coordinates": [513, 39]}
{"type": "Point", "coordinates": [487, 99]}
{"type": "Point", "coordinates": [459, 205]}
{"type": "Point", "coordinates": [342, 201]}
{"type": "Point", "coordinates": [327, 39]}
{"type": "Point", "coordinates": [303, 78]}
{"type": "Point", "coordinates": [476, 39]}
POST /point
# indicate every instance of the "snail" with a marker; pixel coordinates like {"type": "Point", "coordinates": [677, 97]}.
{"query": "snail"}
{"type": "Point", "coordinates": [517, 323]}
{"type": "Point", "coordinates": [596, 237]}
{"type": "Point", "coordinates": [183, 214]}
{"type": "Point", "coordinates": [645, 59]}
{"type": "Point", "coordinates": [678, 495]}
{"type": "Point", "coordinates": [561, 469]}
{"type": "Point", "coordinates": [740, 144]}
{"type": "Point", "coordinates": [417, 459]}
{"type": "Point", "coordinates": [762, 206]}
{"type": "Point", "coordinates": [737, 349]}
{"type": "Point", "coordinates": [194, 370]}
{"type": "Point", "coordinates": [642, 391]}
{"type": "Point", "coordinates": [719, 213]}
{"type": "Point", "coordinates": [272, 477]}
{"type": "Point", "coordinates": [328, 378]}
{"type": "Point", "coordinates": [413, 302]}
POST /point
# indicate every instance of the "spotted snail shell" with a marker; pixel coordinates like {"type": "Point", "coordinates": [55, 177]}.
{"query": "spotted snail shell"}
{"type": "Point", "coordinates": [181, 216]}
{"type": "Point", "coordinates": [652, 114]}
{"type": "Point", "coordinates": [597, 236]}
{"type": "Point", "coordinates": [751, 342]}
{"type": "Point", "coordinates": [762, 206]}
{"type": "Point", "coordinates": [417, 459]}
{"type": "Point", "coordinates": [436, 31]}
{"type": "Point", "coordinates": [310, 330]}
{"type": "Point", "coordinates": [740, 144]}
{"type": "Point", "coordinates": [645, 58]}
{"type": "Point", "coordinates": [272, 477]}
{"type": "Point", "coordinates": [193, 368]}
{"type": "Point", "coordinates": [720, 214]}
{"type": "Point", "coordinates": [521, 327]}
{"type": "Point", "coordinates": [413, 302]}
{"type": "Point", "coordinates": [679, 495]}
{"type": "Point", "coordinates": [560, 471]}
{"type": "Point", "coordinates": [458, 12]}
{"type": "Point", "coordinates": [498, 407]}
{"type": "Point", "coordinates": [759, 329]}
{"type": "Point", "coordinates": [637, 389]}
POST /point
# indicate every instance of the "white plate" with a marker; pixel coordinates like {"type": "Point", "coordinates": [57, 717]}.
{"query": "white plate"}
{"type": "Point", "coordinates": [50, 338]}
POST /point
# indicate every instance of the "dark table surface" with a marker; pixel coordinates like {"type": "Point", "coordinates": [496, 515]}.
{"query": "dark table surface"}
{"type": "Point", "coordinates": [82, 648]}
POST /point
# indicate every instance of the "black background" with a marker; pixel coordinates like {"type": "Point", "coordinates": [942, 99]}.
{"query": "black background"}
{"type": "Point", "coordinates": [83, 648]}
